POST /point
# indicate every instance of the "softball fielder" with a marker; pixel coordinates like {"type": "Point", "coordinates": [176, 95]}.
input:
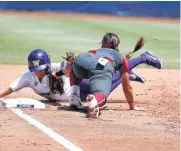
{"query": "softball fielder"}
{"type": "Point", "coordinates": [99, 66]}
{"type": "Point", "coordinates": [111, 40]}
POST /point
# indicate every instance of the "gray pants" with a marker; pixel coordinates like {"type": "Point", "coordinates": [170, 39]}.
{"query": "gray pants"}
{"type": "Point", "coordinates": [86, 66]}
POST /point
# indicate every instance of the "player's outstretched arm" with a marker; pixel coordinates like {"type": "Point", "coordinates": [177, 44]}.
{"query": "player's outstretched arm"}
{"type": "Point", "coordinates": [6, 91]}
{"type": "Point", "coordinates": [69, 58]}
{"type": "Point", "coordinates": [127, 88]}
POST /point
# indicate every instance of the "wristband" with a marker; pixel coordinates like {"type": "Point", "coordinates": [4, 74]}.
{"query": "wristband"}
{"type": "Point", "coordinates": [59, 73]}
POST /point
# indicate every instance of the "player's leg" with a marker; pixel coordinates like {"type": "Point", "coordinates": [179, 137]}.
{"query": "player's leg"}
{"type": "Point", "coordinates": [80, 70]}
{"type": "Point", "coordinates": [84, 89]}
{"type": "Point", "coordinates": [74, 83]}
{"type": "Point", "coordinates": [100, 85]}
{"type": "Point", "coordinates": [116, 81]}
{"type": "Point", "coordinates": [146, 58]}
{"type": "Point", "coordinates": [85, 85]}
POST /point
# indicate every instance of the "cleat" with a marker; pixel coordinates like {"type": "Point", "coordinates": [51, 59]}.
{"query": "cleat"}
{"type": "Point", "coordinates": [136, 77]}
{"type": "Point", "coordinates": [152, 60]}
{"type": "Point", "coordinates": [75, 102]}
{"type": "Point", "coordinates": [93, 111]}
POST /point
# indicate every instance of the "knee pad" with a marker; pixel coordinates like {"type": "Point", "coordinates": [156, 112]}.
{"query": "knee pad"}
{"type": "Point", "coordinates": [101, 99]}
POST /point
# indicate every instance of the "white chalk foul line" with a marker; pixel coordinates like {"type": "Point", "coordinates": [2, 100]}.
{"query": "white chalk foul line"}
{"type": "Point", "coordinates": [59, 139]}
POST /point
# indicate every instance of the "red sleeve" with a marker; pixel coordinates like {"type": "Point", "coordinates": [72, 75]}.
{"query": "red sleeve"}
{"type": "Point", "coordinates": [125, 66]}
{"type": "Point", "coordinates": [92, 51]}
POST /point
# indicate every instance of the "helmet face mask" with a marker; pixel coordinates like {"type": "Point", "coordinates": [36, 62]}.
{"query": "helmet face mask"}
{"type": "Point", "coordinates": [38, 60]}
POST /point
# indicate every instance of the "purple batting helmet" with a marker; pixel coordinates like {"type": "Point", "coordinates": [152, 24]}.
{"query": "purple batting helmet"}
{"type": "Point", "coordinates": [38, 59]}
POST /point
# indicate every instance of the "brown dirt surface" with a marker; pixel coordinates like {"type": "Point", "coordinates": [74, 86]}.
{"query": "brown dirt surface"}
{"type": "Point", "coordinates": [93, 16]}
{"type": "Point", "coordinates": [118, 129]}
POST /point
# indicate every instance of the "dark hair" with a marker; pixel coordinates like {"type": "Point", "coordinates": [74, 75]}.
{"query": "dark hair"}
{"type": "Point", "coordinates": [111, 40]}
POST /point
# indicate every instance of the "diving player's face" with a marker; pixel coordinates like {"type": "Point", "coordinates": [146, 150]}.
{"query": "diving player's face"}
{"type": "Point", "coordinates": [40, 73]}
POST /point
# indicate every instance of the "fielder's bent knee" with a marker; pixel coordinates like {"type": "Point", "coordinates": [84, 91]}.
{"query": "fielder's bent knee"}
{"type": "Point", "coordinates": [100, 97]}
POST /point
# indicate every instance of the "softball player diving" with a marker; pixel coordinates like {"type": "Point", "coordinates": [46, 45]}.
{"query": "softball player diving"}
{"type": "Point", "coordinates": [41, 77]}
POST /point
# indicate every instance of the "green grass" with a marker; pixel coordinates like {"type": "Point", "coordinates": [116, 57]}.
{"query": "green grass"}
{"type": "Point", "coordinates": [20, 34]}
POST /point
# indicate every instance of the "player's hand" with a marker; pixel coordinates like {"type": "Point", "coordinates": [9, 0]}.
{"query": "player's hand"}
{"type": "Point", "coordinates": [70, 57]}
{"type": "Point", "coordinates": [128, 55]}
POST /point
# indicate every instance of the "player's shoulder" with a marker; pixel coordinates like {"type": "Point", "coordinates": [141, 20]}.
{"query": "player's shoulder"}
{"type": "Point", "coordinates": [26, 74]}
{"type": "Point", "coordinates": [57, 66]}
{"type": "Point", "coordinates": [107, 50]}
{"type": "Point", "coordinates": [104, 49]}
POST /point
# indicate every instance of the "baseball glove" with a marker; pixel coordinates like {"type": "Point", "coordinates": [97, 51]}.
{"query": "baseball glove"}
{"type": "Point", "coordinates": [56, 84]}
{"type": "Point", "coordinates": [139, 44]}
{"type": "Point", "coordinates": [137, 47]}
{"type": "Point", "coordinates": [70, 57]}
